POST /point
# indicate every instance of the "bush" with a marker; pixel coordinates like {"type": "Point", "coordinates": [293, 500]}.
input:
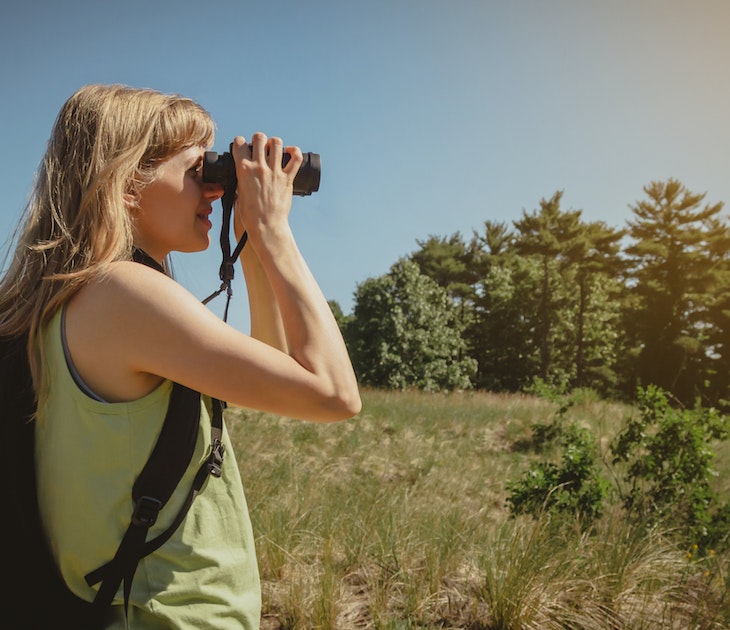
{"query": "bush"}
{"type": "Point", "coordinates": [573, 487]}
{"type": "Point", "coordinates": [669, 467]}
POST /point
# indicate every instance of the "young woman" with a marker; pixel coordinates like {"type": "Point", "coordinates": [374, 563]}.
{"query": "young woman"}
{"type": "Point", "coordinates": [107, 337]}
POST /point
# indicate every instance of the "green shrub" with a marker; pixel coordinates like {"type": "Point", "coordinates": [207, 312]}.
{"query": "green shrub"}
{"type": "Point", "coordinates": [669, 469]}
{"type": "Point", "coordinates": [575, 486]}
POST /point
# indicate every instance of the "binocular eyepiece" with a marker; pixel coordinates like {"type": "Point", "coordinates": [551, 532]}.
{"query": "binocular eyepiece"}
{"type": "Point", "coordinates": [220, 169]}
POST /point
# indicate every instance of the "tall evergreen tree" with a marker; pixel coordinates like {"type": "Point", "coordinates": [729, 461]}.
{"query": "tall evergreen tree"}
{"type": "Point", "coordinates": [714, 319]}
{"type": "Point", "coordinates": [503, 334]}
{"type": "Point", "coordinates": [550, 235]}
{"type": "Point", "coordinates": [594, 253]}
{"type": "Point", "coordinates": [450, 262]}
{"type": "Point", "coordinates": [674, 236]}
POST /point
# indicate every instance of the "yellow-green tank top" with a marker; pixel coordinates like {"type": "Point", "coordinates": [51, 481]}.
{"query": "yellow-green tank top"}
{"type": "Point", "coordinates": [88, 454]}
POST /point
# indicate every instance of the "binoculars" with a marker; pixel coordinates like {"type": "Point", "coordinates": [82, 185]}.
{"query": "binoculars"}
{"type": "Point", "coordinates": [220, 169]}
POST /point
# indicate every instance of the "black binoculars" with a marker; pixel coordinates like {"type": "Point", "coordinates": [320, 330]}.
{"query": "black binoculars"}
{"type": "Point", "coordinates": [220, 169]}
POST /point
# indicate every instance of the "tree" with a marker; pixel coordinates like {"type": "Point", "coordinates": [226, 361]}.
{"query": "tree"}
{"type": "Point", "coordinates": [717, 328]}
{"type": "Point", "coordinates": [675, 238]}
{"type": "Point", "coordinates": [455, 266]}
{"type": "Point", "coordinates": [406, 332]}
{"type": "Point", "coordinates": [550, 235]}
{"type": "Point", "coordinates": [502, 336]}
{"type": "Point", "coordinates": [450, 263]}
{"type": "Point", "coordinates": [594, 253]}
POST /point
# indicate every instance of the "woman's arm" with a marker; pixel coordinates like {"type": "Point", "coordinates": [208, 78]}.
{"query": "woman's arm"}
{"type": "Point", "coordinates": [264, 196]}
{"type": "Point", "coordinates": [266, 324]}
{"type": "Point", "coordinates": [133, 327]}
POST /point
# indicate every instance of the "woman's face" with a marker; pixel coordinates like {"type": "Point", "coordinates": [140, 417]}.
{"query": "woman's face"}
{"type": "Point", "coordinates": [172, 213]}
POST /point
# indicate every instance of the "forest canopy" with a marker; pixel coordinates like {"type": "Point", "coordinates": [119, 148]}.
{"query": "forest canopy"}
{"type": "Point", "coordinates": [557, 299]}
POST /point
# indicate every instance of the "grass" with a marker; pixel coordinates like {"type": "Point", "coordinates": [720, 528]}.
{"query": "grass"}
{"type": "Point", "coordinates": [396, 520]}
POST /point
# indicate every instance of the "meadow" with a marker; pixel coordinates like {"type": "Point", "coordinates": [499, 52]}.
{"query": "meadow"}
{"type": "Point", "coordinates": [397, 520]}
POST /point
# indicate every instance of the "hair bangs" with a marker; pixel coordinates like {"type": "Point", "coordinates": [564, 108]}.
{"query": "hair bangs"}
{"type": "Point", "coordinates": [181, 124]}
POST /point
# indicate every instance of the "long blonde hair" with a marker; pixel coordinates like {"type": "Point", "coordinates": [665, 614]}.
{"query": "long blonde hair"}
{"type": "Point", "coordinates": [106, 142]}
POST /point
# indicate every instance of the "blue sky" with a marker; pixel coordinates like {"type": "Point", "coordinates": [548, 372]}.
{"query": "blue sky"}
{"type": "Point", "coordinates": [430, 117]}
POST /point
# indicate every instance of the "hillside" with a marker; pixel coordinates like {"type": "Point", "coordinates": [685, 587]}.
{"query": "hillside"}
{"type": "Point", "coordinates": [397, 520]}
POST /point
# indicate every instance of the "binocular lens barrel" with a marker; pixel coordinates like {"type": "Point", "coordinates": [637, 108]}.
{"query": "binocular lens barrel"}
{"type": "Point", "coordinates": [220, 169]}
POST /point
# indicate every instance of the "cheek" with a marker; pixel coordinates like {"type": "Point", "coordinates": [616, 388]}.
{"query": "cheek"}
{"type": "Point", "coordinates": [152, 215]}
{"type": "Point", "coordinates": [158, 202]}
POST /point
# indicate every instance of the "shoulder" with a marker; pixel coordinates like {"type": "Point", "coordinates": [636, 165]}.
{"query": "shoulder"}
{"type": "Point", "coordinates": [124, 287]}
{"type": "Point", "coordinates": [142, 302]}
{"type": "Point", "coordinates": [128, 277]}
{"type": "Point", "coordinates": [129, 326]}
{"type": "Point", "coordinates": [135, 302]}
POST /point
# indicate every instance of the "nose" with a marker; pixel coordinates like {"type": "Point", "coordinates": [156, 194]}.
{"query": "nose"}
{"type": "Point", "coordinates": [213, 191]}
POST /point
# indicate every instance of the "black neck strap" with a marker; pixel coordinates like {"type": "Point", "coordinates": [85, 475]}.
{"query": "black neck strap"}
{"type": "Point", "coordinates": [141, 256]}
{"type": "Point", "coordinates": [229, 258]}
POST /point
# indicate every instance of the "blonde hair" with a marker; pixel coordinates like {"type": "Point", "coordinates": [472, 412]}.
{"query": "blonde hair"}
{"type": "Point", "coordinates": [106, 143]}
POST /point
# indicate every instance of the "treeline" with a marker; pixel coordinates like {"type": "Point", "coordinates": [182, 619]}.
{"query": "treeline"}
{"type": "Point", "coordinates": [555, 299]}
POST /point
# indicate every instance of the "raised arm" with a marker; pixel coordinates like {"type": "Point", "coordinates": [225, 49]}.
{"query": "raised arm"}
{"type": "Point", "coordinates": [289, 310]}
{"type": "Point", "coordinates": [133, 327]}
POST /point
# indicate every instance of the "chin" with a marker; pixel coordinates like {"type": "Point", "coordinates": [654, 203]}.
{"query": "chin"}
{"type": "Point", "coordinates": [200, 246]}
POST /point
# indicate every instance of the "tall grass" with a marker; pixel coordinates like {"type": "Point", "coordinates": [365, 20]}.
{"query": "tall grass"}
{"type": "Point", "coordinates": [396, 520]}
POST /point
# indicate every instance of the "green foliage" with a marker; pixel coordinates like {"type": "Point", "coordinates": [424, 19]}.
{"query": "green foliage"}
{"type": "Point", "coordinates": [678, 261]}
{"type": "Point", "coordinates": [502, 337]}
{"type": "Point", "coordinates": [553, 296]}
{"type": "Point", "coordinates": [669, 467]}
{"type": "Point", "coordinates": [548, 234]}
{"type": "Point", "coordinates": [546, 305]}
{"type": "Point", "coordinates": [664, 468]}
{"type": "Point", "coordinates": [450, 263]}
{"type": "Point", "coordinates": [573, 487]}
{"type": "Point", "coordinates": [407, 333]}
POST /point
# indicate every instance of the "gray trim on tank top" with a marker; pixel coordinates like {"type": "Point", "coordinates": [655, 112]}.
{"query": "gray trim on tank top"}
{"type": "Point", "coordinates": [69, 362]}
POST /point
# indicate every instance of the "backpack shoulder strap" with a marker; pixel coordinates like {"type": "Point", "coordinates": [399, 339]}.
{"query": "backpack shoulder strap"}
{"type": "Point", "coordinates": [151, 491]}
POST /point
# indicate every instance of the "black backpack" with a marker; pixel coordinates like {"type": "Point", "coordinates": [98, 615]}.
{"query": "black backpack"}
{"type": "Point", "coordinates": [35, 597]}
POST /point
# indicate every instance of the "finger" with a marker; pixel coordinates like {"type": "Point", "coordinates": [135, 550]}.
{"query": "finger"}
{"type": "Point", "coordinates": [240, 149]}
{"type": "Point", "coordinates": [274, 150]}
{"type": "Point", "coordinates": [295, 161]}
{"type": "Point", "coordinates": [258, 151]}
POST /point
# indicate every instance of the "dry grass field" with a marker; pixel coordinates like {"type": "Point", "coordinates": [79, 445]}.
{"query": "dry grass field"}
{"type": "Point", "coordinates": [396, 520]}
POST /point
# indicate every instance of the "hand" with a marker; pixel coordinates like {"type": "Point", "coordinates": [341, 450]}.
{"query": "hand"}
{"type": "Point", "coordinates": [264, 193]}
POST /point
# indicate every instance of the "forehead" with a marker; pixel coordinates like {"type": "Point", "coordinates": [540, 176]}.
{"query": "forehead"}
{"type": "Point", "coordinates": [189, 153]}
{"type": "Point", "coordinates": [184, 157]}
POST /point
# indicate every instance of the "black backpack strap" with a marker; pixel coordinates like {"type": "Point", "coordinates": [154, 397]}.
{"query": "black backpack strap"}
{"type": "Point", "coordinates": [151, 491]}
{"type": "Point", "coordinates": [154, 487]}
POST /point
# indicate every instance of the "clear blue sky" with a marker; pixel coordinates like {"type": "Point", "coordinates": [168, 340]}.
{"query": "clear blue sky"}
{"type": "Point", "coordinates": [431, 116]}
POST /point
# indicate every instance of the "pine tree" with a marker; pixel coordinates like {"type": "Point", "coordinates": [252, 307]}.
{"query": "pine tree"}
{"type": "Point", "coordinates": [672, 277]}
{"type": "Point", "coordinates": [550, 235]}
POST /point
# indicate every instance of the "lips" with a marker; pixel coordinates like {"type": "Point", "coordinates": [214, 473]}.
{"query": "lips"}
{"type": "Point", "coordinates": [203, 216]}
